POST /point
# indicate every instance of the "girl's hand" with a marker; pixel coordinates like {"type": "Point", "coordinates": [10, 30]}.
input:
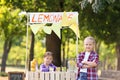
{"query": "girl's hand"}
{"type": "Point", "coordinates": [84, 62]}
{"type": "Point", "coordinates": [89, 64]}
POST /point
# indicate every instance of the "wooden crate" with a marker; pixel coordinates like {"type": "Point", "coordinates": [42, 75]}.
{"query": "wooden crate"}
{"type": "Point", "coordinates": [51, 76]}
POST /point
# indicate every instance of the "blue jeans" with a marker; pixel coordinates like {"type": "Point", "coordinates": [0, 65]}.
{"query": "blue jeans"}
{"type": "Point", "coordinates": [83, 76]}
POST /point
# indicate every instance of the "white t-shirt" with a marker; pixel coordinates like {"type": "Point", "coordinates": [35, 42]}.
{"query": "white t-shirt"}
{"type": "Point", "coordinates": [85, 59]}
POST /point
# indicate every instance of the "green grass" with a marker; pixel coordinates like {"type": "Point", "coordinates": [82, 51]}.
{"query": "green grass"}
{"type": "Point", "coordinates": [14, 69]}
{"type": "Point", "coordinates": [3, 74]}
{"type": "Point", "coordinates": [11, 69]}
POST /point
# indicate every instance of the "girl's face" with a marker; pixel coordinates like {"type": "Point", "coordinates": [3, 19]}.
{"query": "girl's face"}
{"type": "Point", "coordinates": [88, 45]}
{"type": "Point", "coordinates": [48, 60]}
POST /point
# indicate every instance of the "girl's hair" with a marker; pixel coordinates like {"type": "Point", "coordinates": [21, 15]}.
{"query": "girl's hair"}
{"type": "Point", "coordinates": [48, 53]}
{"type": "Point", "coordinates": [90, 38]}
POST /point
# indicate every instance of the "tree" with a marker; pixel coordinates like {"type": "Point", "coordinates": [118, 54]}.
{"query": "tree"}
{"type": "Point", "coordinates": [9, 24]}
{"type": "Point", "coordinates": [46, 6]}
{"type": "Point", "coordinates": [24, 6]}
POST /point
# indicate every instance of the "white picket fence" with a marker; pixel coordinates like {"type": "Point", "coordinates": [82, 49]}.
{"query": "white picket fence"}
{"type": "Point", "coordinates": [51, 76]}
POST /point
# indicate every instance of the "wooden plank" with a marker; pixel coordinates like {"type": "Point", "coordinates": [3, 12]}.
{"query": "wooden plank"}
{"type": "Point", "coordinates": [62, 76]}
{"type": "Point", "coordinates": [33, 74]}
{"type": "Point", "coordinates": [47, 76]}
{"type": "Point", "coordinates": [30, 76]}
{"type": "Point", "coordinates": [57, 76]}
{"type": "Point", "coordinates": [52, 75]}
{"type": "Point", "coordinates": [27, 75]}
{"type": "Point", "coordinates": [67, 75]}
{"type": "Point", "coordinates": [41, 75]}
{"type": "Point", "coordinates": [72, 76]}
{"type": "Point", "coordinates": [36, 76]}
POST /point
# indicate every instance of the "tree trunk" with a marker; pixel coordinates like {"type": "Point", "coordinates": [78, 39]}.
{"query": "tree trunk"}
{"type": "Point", "coordinates": [53, 44]}
{"type": "Point", "coordinates": [118, 56]}
{"type": "Point", "coordinates": [63, 53]}
{"type": "Point", "coordinates": [97, 47]}
{"type": "Point", "coordinates": [31, 56]}
{"type": "Point", "coordinates": [7, 47]}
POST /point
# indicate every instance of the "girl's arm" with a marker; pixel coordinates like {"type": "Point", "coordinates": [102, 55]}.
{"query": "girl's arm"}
{"type": "Point", "coordinates": [88, 64]}
{"type": "Point", "coordinates": [91, 64]}
{"type": "Point", "coordinates": [79, 61]}
{"type": "Point", "coordinates": [43, 68]}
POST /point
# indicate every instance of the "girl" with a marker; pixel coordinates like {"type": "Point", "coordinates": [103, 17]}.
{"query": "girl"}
{"type": "Point", "coordinates": [48, 65]}
{"type": "Point", "coordinates": [87, 61]}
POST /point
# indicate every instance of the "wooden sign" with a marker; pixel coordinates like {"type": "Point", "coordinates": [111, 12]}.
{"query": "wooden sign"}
{"type": "Point", "coordinates": [15, 75]}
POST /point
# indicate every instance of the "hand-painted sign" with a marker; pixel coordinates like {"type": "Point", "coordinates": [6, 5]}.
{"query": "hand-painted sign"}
{"type": "Point", "coordinates": [50, 17]}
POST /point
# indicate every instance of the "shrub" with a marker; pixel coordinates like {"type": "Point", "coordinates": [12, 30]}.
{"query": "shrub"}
{"type": "Point", "coordinates": [3, 74]}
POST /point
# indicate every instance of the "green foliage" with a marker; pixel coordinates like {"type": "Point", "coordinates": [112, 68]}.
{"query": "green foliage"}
{"type": "Point", "coordinates": [71, 5]}
{"type": "Point", "coordinates": [1, 46]}
{"type": "Point", "coordinates": [107, 51]}
{"type": "Point", "coordinates": [108, 56]}
{"type": "Point", "coordinates": [96, 5]}
{"type": "Point", "coordinates": [36, 5]}
{"type": "Point", "coordinates": [105, 24]}
{"type": "Point", "coordinates": [67, 33]}
{"type": "Point", "coordinates": [17, 55]}
{"type": "Point", "coordinates": [3, 74]}
{"type": "Point", "coordinates": [10, 23]}
{"type": "Point", "coordinates": [11, 28]}
{"type": "Point", "coordinates": [39, 52]}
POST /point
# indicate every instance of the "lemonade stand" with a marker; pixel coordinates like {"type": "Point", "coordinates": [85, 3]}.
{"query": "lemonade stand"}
{"type": "Point", "coordinates": [38, 21]}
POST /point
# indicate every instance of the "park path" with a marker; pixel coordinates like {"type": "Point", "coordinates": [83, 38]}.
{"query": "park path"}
{"type": "Point", "coordinates": [3, 78]}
